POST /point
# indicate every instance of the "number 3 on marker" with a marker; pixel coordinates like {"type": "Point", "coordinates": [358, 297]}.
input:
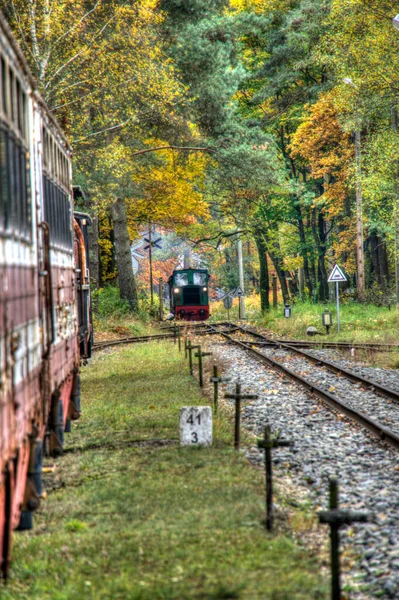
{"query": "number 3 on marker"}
{"type": "Point", "coordinates": [194, 436]}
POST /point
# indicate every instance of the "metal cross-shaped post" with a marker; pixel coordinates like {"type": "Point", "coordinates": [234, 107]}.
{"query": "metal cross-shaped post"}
{"type": "Point", "coordinates": [200, 355]}
{"type": "Point", "coordinates": [268, 443]}
{"type": "Point", "coordinates": [238, 396]}
{"type": "Point", "coordinates": [335, 517]}
{"type": "Point", "coordinates": [216, 379]}
{"type": "Point", "coordinates": [190, 349]}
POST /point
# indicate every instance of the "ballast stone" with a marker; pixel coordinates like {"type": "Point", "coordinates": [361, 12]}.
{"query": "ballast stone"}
{"type": "Point", "coordinates": [196, 426]}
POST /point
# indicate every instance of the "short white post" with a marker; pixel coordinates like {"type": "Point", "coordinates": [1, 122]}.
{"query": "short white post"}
{"type": "Point", "coordinates": [196, 426]}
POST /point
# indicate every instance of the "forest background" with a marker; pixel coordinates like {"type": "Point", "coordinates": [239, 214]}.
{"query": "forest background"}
{"type": "Point", "coordinates": [275, 121]}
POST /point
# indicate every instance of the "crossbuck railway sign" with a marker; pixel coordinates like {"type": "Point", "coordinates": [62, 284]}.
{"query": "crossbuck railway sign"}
{"type": "Point", "coordinates": [337, 276]}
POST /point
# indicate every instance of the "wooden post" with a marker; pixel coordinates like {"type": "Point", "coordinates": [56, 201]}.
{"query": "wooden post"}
{"type": "Point", "coordinates": [268, 443]}
{"type": "Point", "coordinates": [274, 283]}
{"type": "Point", "coordinates": [336, 517]}
{"type": "Point", "coordinates": [160, 299]}
{"type": "Point", "coordinates": [190, 349]}
{"type": "Point", "coordinates": [216, 379]}
{"type": "Point", "coordinates": [238, 396]}
{"type": "Point", "coordinates": [200, 355]}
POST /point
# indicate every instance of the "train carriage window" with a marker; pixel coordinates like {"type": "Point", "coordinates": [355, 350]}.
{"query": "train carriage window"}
{"type": "Point", "coordinates": [25, 200]}
{"type": "Point", "coordinates": [18, 102]}
{"type": "Point", "coordinates": [16, 189]}
{"type": "Point", "coordinates": [5, 177]}
{"type": "Point", "coordinates": [24, 117]}
{"type": "Point", "coordinates": [12, 96]}
{"type": "Point", "coordinates": [11, 184]}
{"type": "Point", "coordinates": [4, 86]}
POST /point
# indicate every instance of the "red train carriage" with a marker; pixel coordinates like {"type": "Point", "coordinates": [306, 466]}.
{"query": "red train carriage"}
{"type": "Point", "coordinates": [39, 287]}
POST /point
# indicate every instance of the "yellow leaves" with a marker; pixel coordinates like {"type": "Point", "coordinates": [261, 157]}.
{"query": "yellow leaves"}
{"type": "Point", "coordinates": [171, 191]}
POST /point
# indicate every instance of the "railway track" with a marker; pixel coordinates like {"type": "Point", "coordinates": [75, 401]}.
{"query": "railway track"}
{"type": "Point", "coordinates": [208, 329]}
{"type": "Point", "coordinates": [377, 428]}
{"type": "Point", "coordinates": [172, 333]}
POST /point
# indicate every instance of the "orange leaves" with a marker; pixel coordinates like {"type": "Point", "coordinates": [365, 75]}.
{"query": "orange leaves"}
{"type": "Point", "coordinates": [327, 150]}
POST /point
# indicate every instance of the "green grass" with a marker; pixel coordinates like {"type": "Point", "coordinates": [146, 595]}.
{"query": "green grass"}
{"type": "Point", "coordinates": [112, 317]}
{"type": "Point", "coordinates": [359, 322]}
{"type": "Point", "coordinates": [132, 516]}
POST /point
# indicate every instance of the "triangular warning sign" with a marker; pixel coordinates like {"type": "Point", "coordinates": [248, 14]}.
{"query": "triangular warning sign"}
{"type": "Point", "coordinates": [336, 275]}
{"type": "Point", "coordinates": [239, 292]}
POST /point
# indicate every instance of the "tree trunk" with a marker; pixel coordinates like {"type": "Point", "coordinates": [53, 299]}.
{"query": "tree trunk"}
{"type": "Point", "coordinates": [359, 220]}
{"type": "Point", "coordinates": [292, 283]}
{"type": "Point", "coordinates": [378, 260]}
{"type": "Point", "coordinates": [94, 257]}
{"type": "Point", "coordinates": [127, 283]}
{"type": "Point", "coordinates": [383, 264]}
{"type": "Point", "coordinates": [276, 260]}
{"type": "Point", "coordinates": [394, 125]}
{"type": "Point", "coordinates": [304, 251]}
{"type": "Point", "coordinates": [264, 284]}
{"type": "Point", "coordinates": [320, 237]}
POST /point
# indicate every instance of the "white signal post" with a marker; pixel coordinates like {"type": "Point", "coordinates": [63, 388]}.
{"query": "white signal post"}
{"type": "Point", "coordinates": [336, 276]}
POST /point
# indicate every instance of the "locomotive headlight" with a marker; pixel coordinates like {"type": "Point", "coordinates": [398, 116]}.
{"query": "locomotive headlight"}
{"type": "Point", "coordinates": [204, 289]}
{"type": "Point", "coordinates": [176, 290]}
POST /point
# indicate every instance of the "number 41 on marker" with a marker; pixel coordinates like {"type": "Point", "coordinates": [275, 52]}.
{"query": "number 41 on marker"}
{"type": "Point", "coordinates": [191, 419]}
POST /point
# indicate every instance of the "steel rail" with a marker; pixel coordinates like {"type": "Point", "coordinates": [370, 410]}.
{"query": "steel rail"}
{"type": "Point", "coordinates": [370, 383]}
{"type": "Point", "coordinates": [374, 386]}
{"type": "Point", "coordinates": [310, 344]}
{"type": "Point", "coordinates": [334, 345]}
{"type": "Point", "coordinates": [376, 428]}
{"type": "Point", "coordinates": [158, 336]}
{"type": "Point", "coordinates": [345, 345]}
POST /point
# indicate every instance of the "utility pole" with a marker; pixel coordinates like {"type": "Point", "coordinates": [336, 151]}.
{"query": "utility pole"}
{"type": "Point", "coordinates": [241, 277]}
{"type": "Point", "coordinates": [150, 258]}
{"type": "Point", "coordinates": [359, 218]}
{"type": "Point", "coordinates": [395, 127]}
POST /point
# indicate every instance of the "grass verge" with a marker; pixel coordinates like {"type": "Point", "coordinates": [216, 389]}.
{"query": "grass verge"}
{"type": "Point", "coordinates": [360, 323]}
{"type": "Point", "coordinates": [130, 515]}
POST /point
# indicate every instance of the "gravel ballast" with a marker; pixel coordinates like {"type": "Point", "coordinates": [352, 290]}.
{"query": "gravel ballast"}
{"type": "Point", "coordinates": [326, 444]}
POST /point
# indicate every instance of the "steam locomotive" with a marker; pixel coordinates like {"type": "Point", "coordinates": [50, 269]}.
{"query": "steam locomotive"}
{"type": "Point", "coordinates": [189, 294]}
{"type": "Point", "coordinates": [45, 313]}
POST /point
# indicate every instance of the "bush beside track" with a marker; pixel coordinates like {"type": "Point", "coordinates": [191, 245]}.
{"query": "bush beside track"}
{"type": "Point", "coordinates": [130, 515]}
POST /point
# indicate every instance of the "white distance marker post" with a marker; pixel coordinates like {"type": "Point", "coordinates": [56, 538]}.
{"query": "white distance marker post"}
{"type": "Point", "coordinates": [336, 276]}
{"type": "Point", "coordinates": [196, 426]}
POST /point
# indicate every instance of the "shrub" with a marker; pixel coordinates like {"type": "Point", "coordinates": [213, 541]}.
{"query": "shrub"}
{"type": "Point", "coordinates": [109, 303]}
